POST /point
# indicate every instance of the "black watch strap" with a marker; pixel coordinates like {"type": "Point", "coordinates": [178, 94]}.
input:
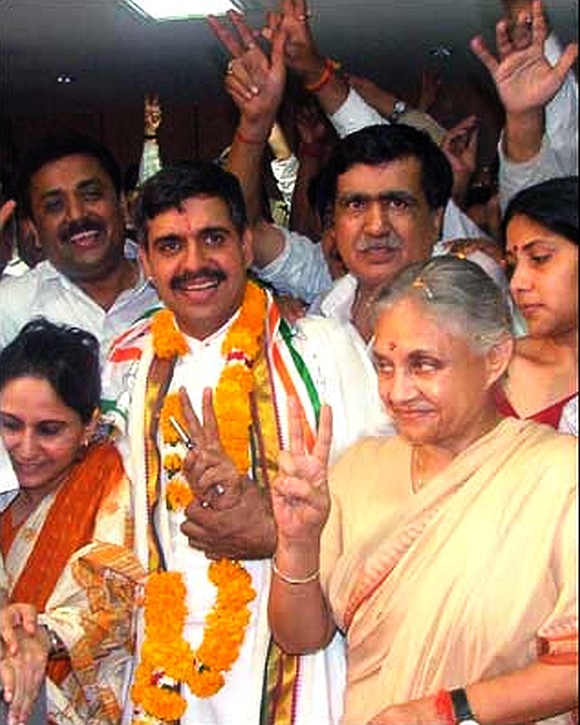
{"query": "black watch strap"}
{"type": "Point", "coordinates": [461, 705]}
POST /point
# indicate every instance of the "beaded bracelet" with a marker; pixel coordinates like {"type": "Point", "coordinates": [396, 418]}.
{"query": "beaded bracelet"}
{"type": "Point", "coordinates": [289, 580]}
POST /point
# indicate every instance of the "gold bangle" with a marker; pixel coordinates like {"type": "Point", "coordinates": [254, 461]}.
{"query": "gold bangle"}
{"type": "Point", "coordinates": [290, 580]}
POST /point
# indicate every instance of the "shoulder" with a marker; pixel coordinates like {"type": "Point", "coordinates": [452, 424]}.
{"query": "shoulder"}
{"type": "Point", "coordinates": [371, 448]}
{"type": "Point", "coordinates": [545, 450]}
{"type": "Point", "coordinates": [314, 328]}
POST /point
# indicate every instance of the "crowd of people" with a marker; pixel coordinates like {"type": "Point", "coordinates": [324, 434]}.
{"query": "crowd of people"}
{"type": "Point", "coordinates": [308, 460]}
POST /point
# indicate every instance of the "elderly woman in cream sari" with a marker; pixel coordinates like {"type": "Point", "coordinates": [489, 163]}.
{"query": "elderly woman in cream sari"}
{"type": "Point", "coordinates": [66, 536]}
{"type": "Point", "coordinates": [449, 552]}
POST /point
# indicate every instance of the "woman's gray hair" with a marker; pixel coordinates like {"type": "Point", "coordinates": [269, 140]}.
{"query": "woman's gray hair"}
{"type": "Point", "coordinates": [460, 295]}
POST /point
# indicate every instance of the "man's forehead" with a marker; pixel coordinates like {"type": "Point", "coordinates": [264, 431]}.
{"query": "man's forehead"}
{"type": "Point", "coordinates": [195, 213]}
{"type": "Point", "coordinates": [75, 168]}
{"type": "Point", "coordinates": [399, 173]}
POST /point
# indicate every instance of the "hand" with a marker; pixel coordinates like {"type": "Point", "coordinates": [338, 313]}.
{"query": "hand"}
{"type": "Point", "coordinates": [466, 246]}
{"type": "Point", "coordinates": [416, 712]}
{"type": "Point", "coordinates": [21, 675]}
{"type": "Point", "coordinates": [460, 146]}
{"type": "Point", "coordinates": [524, 79]}
{"type": "Point", "coordinates": [246, 531]}
{"type": "Point", "coordinates": [300, 52]}
{"type": "Point", "coordinates": [230, 517]}
{"type": "Point", "coordinates": [208, 469]}
{"type": "Point", "coordinates": [152, 115]}
{"type": "Point", "coordinates": [291, 308]}
{"type": "Point", "coordinates": [300, 496]}
{"type": "Point", "coordinates": [15, 618]}
{"type": "Point", "coordinates": [254, 81]}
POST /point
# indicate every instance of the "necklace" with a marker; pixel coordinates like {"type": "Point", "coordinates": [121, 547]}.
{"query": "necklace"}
{"type": "Point", "coordinates": [417, 469]}
{"type": "Point", "coordinates": [167, 659]}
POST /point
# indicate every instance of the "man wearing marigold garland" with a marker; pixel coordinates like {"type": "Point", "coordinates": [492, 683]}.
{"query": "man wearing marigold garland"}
{"type": "Point", "coordinates": [200, 395]}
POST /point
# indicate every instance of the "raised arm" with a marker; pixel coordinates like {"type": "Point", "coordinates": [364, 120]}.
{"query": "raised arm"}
{"type": "Point", "coordinates": [525, 82]}
{"type": "Point", "coordinates": [256, 84]}
{"type": "Point", "coordinates": [300, 617]}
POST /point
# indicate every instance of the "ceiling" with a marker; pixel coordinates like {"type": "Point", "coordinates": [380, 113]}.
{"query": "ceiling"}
{"type": "Point", "coordinates": [115, 55]}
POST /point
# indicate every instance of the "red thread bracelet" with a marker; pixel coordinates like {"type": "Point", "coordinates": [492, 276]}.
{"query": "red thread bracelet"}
{"type": "Point", "coordinates": [444, 706]}
{"type": "Point", "coordinates": [244, 139]}
{"type": "Point", "coordinates": [330, 66]}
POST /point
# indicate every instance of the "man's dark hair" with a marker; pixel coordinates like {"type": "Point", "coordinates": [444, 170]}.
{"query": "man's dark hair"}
{"type": "Point", "coordinates": [66, 357]}
{"type": "Point", "coordinates": [171, 186]}
{"type": "Point", "coordinates": [382, 144]}
{"type": "Point", "coordinates": [552, 204]}
{"type": "Point", "coordinates": [55, 147]}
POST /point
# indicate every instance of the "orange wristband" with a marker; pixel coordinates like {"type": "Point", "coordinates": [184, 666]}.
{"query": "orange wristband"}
{"type": "Point", "coordinates": [330, 66]}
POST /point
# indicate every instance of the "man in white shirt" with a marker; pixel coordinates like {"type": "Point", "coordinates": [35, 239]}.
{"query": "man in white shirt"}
{"type": "Point", "coordinates": [388, 185]}
{"type": "Point", "coordinates": [222, 342]}
{"type": "Point", "coordinates": [69, 188]}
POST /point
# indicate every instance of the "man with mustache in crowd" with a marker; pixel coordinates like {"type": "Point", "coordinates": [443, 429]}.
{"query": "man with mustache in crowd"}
{"type": "Point", "coordinates": [69, 190]}
{"type": "Point", "coordinates": [388, 186]}
{"type": "Point", "coordinates": [199, 396]}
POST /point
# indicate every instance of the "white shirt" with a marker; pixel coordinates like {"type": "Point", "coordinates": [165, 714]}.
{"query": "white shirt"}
{"type": "Point", "coordinates": [46, 291]}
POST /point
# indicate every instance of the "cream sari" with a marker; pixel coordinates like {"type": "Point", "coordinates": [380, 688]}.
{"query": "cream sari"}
{"type": "Point", "coordinates": [472, 577]}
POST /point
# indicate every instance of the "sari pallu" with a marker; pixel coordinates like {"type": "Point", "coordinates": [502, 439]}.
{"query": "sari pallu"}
{"type": "Point", "coordinates": [475, 577]}
{"type": "Point", "coordinates": [71, 560]}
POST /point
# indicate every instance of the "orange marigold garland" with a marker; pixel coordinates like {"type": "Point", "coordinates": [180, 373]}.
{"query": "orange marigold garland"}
{"type": "Point", "coordinates": [166, 658]}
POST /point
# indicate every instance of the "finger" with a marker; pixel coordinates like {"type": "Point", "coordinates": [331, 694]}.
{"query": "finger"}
{"type": "Point", "coordinates": [566, 61]}
{"type": "Point", "coordinates": [7, 680]}
{"type": "Point", "coordinates": [480, 49]}
{"type": "Point", "coordinates": [240, 96]}
{"type": "Point", "coordinates": [245, 32]}
{"type": "Point", "coordinates": [225, 37]}
{"type": "Point", "coordinates": [210, 424]}
{"type": "Point", "coordinates": [539, 25]}
{"type": "Point", "coordinates": [301, 9]}
{"type": "Point", "coordinates": [295, 429]}
{"type": "Point", "coordinates": [296, 490]}
{"type": "Point", "coordinates": [192, 424]}
{"type": "Point", "coordinates": [6, 212]}
{"type": "Point", "coordinates": [241, 81]}
{"type": "Point", "coordinates": [28, 618]}
{"type": "Point", "coordinates": [277, 55]}
{"type": "Point", "coordinates": [323, 441]}
{"type": "Point", "coordinates": [503, 40]}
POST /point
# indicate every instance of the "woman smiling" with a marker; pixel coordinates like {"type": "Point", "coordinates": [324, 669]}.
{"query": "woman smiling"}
{"type": "Point", "coordinates": [449, 552]}
{"type": "Point", "coordinates": [66, 537]}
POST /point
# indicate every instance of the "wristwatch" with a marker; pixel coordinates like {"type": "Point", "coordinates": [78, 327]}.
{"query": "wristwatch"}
{"type": "Point", "coordinates": [56, 647]}
{"type": "Point", "coordinates": [461, 707]}
{"type": "Point", "coordinates": [399, 107]}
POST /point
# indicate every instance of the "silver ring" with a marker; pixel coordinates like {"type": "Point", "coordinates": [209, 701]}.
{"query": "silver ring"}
{"type": "Point", "coordinates": [219, 489]}
{"type": "Point", "coordinates": [230, 69]}
{"type": "Point", "coordinates": [204, 504]}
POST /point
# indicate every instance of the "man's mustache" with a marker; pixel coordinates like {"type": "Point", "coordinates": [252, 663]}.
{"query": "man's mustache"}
{"type": "Point", "coordinates": [80, 226]}
{"type": "Point", "coordinates": [205, 274]}
{"type": "Point", "coordinates": [367, 244]}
